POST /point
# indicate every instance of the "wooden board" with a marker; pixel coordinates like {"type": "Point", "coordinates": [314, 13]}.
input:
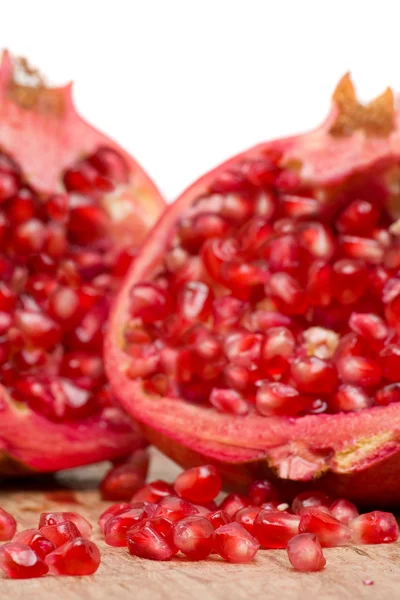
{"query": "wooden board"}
{"type": "Point", "coordinates": [123, 577]}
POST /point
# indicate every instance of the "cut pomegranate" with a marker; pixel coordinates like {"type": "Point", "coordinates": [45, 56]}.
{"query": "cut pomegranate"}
{"type": "Point", "coordinates": [145, 541]}
{"type": "Point", "coordinates": [329, 531]}
{"type": "Point", "coordinates": [374, 528]}
{"type": "Point", "coordinates": [72, 202]}
{"type": "Point", "coordinates": [8, 526]}
{"type": "Point", "coordinates": [274, 529]}
{"type": "Point", "coordinates": [305, 553]}
{"type": "Point", "coordinates": [200, 484]}
{"type": "Point", "coordinates": [235, 544]}
{"type": "Point", "coordinates": [53, 518]}
{"type": "Point", "coordinates": [36, 540]}
{"type": "Point", "coordinates": [123, 480]}
{"type": "Point", "coordinates": [77, 557]}
{"type": "Point", "coordinates": [21, 562]}
{"type": "Point", "coordinates": [60, 533]}
{"type": "Point", "coordinates": [298, 300]}
{"type": "Point", "coordinates": [194, 537]}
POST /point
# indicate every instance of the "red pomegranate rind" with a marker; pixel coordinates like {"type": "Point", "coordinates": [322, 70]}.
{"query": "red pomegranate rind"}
{"type": "Point", "coordinates": [343, 453]}
{"type": "Point", "coordinates": [42, 137]}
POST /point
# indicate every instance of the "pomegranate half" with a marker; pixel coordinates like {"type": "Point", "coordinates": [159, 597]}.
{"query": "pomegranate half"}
{"type": "Point", "coordinates": [259, 327]}
{"type": "Point", "coordinates": [73, 209]}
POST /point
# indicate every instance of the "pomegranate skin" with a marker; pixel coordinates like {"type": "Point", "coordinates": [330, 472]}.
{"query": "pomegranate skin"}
{"type": "Point", "coordinates": [43, 133]}
{"type": "Point", "coordinates": [355, 455]}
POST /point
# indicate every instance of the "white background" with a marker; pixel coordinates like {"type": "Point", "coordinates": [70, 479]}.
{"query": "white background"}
{"type": "Point", "coordinates": [184, 84]}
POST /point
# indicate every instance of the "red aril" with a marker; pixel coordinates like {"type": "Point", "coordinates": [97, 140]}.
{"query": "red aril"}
{"type": "Point", "coordinates": [8, 526]}
{"type": "Point", "coordinates": [52, 518]}
{"type": "Point", "coordinates": [235, 544]}
{"type": "Point", "coordinates": [66, 215]}
{"type": "Point", "coordinates": [174, 508]}
{"type": "Point", "coordinates": [310, 500]}
{"type": "Point", "coordinates": [60, 533]}
{"type": "Point", "coordinates": [194, 537]}
{"type": "Point", "coordinates": [112, 511]}
{"type": "Point", "coordinates": [145, 541]}
{"type": "Point", "coordinates": [246, 517]}
{"type": "Point", "coordinates": [305, 553]}
{"type": "Point", "coordinates": [115, 528]}
{"type": "Point", "coordinates": [232, 503]}
{"type": "Point", "coordinates": [153, 491]}
{"type": "Point", "coordinates": [19, 561]}
{"type": "Point", "coordinates": [36, 540]}
{"type": "Point", "coordinates": [77, 557]}
{"type": "Point", "coordinates": [329, 531]}
{"type": "Point", "coordinates": [299, 261]}
{"type": "Point", "coordinates": [275, 529]}
{"type": "Point", "coordinates": [261, 491]}
{"type": "Point", "coordinates": [374, 528]}
{"type": "Point", "coordinates": [199, 484]}
{"type": "Point", "coordinates": [343, 510]}
{"type": "Point", "coordinates": [123, 480]}
{"type": "Point", "coordinates": [218, 518]}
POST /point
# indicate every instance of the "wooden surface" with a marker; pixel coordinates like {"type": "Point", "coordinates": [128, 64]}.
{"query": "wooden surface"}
{"type": "Point", "coordinates": [123, 577]}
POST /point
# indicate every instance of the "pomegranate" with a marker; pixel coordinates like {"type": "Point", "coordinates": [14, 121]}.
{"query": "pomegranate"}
{"type": "Point", "coordinates": [274, 350]}
{"type": "Point", "coordinates": [73, 209]}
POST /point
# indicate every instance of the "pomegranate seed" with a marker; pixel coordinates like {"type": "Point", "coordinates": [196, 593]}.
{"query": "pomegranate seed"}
{"type": "Point", "coordinates": [52, 518]}
{"type": "Point", "coordinates": [149, 302]}
{"type": "Point", "coordinates": [317, 240]}
{"type": "Point", "coordinates": [77, 557]}
{"type": "Point", "coordinates": [343, 510]}
{"type": "Point", "coordinates": [392, 313]}
{"type": "Point", "coordinates": [287, 293]}
{"type": "Point", "coordinates": [235, 544]}
{"type": "Point", "coordinates": [297, 206]}
{"type": "Point", "coordinates": [305, 553]}
{"type": "Point", "coordinates": [349, 398]}
{"type": "Point", "coordinates": [18, 560]}
{"type": "Point", "coordinates": [350, 280]}
{"type": "Point", "coordinates": [36, 541]}
{"type": "Point", "coordinates": [199, 484]}
{"type": "Point", "coordinates": [216, 252]}
{"type": "Point", "coordinates": [195, 231]}
{"type": "Point", "coordinates": [359, 371]}
{"type": "Point", "coordinates": [123, 480]}
{"type": "Point", "coordinates": [110, 164]}
{"type": "Point", "coordinates": [145, 541]}
{"type": "Point", "coordinates": [115, 528]}
{"type": "Point", "coordinates": [57, 206]}
{"type": "Point", "coordinates": [38, 329]}
{"type": "Point", "coordinates": [314, 375]}
{"type": "Point", "coordinates": [153, 492]}
{"type": "Point", "coordinates": [218, 518]}
{"type": "Point", "coordinates": [390, 362]}
{"type": "Point", "coordinates": [246, 517]}
{"type": "Point", "coordinates": [245, 280]}
{"type": "Point", "coordinates": [330, 531]}
{"type": "Point", "coordinates": [253, 235]}
{"type": "Point", "coordinates": [277, 349]}
{"type": "Point", "coordinates": [60, 533]}
{"type": "Point", "coordinates": [374, 528]}
{"type": "Point", "coordinates": [233, 503]}
{"type": "Point", "coordinates": [236, 208]}
{"type": "Point", "coordinates": [310, 500]}
{"type": "Point", "coordinates": [371, 327]}
{"type": "Point", "coordinates": [8, 298]}
{"type": "Point", "coordinates": [320, 284]}
{"type": "Point", "coordinates": [227, 312]}
{"type": "Point", "coordinates": [229, 182]}
{"type": "Point", "coordinates": [262, 491]}
{"type": "Point", "coordinates": [229, 401]}
{"type": "Point", "coordinates": [278, 399]}
{"type": "Point", "coordinates": [193, 536]}
{"type": "Point", "coordinates": [320, 342]}
{"type": "Point", "coordinates": [275, 529]}
{"type": "Point", "coordinates": [165, 527]}
{"type": "Point", "coordinates": [8, 526]}
{"type": "Point", "coordinates": [359, 217]}
{"type": "Point", "coordinates": [195, 301]}
{"type": "Point", "coordinates": [367, 250]}
{"type": "Point", "coordinates": [388, 394]}
{"type": "Point", "coordinates": [29, 237]}
{"type": "Point", "coordinates": [112, 511]}
{"type": "Point", "coordinates": [174, 508]}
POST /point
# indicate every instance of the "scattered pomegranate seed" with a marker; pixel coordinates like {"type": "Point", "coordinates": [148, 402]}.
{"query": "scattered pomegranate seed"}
{"type": "Point", "coordinates": [36, 540]}
{"type": "Point", "coordinates": [194, 537]}
{"type": "Point", "coordinates": [305, 553]}
{"type": "Point", "coordinates": [218, 518]}
{"type": "Point", "coordinates": [235, 544]}
{"type": "Point", "coordinates": [153, 492]}
{"type": "Point", "coordinates": [246, 517]}
{"type": "Point", "coordinates": [21, 562]}
{"type": "Point", "coordinates": [60, 533]}
{"type": "Point", "coordinates": [123, 480]}
{"type": "Point", "coordinates": [275, 529]}
{"type": "Point", "coordinates": [53, 518]}
{"type": "Point", "coordinates": [77, 557]}
{"type": "Point", "coordinates": [145, 541]}
{"type": "Point", "coordinates": [310, 500]}
{"type": "Point", "coordinates": [115, 528]}
{"type": "Point", "coordinates": [330, 531]}
{"type": "Point", "coordinates": [8, 526]}
{"type": "Point", "coordinates": [112, 511]}
{"type": "Point", "coordinates": [262, 491]}
{"type": "Point", "coordinates": [232, 503]}
{"type": "Point", "coordinates": [174, 508]}
{"type": "Point", "coordinates": [343, 510]}
{"type": "Point", "coordinates": [374, 528]}
{"type": "Point", "coordinates": [199, 484]}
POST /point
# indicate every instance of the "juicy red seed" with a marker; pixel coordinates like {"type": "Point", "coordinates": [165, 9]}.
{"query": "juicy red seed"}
{"type": "Point", "coordinates": [235, 544]}
{"type": "Point", "coordinates": [374, 528]}
{"type": "Point", "coordinates": [350, 280]}
{"type": "Point", "coordinates": [310, 500]}
{"type": "Point", "coordinates": [314, 375]}
{"type": "Point", "coordinates": [230, 182]}
{"type": "Point", "coordinates": [194, 231]}
{"type": "Point", "coordinates": [116, 528]}
{"type": "Point", "coordinates": [278, 399]}
{"type": "Point", "coordinates": [275, 529]}
{"type": "Point", "coordinates": [194, 537]}
{"type": "Point", "coordinates": [38, 329]}
{"type": "Point", "coordinates": [388, 394]}
{"type": "Point", "coordinates": [20, 561]}
{"type": "Point", "coordinates": [8, 526]}
{"type": "Point", "coordinates": [367, 250]}
{"type": "Point", "coordinates": [329, 531]}
{"type": "Point", "coordinates": [317, 240]}
{"type": "Point", "coordinates": [232, 503]}
{"type": "Point", "coordinates": [218, 518]}
{"type": "Point", "coordinates": [60, 533]}
{"type": "Point", "coordinates": [350, 398]}
{"type": "Point", "coordinates": [123, 480]}
{"type": "Point", "coordinates": [229, 401]}
{"type": "Point", "coordinates": [199, 484]}
{"type": "Point", "coordinates": [163, 526]}
{"type": "Point", "coordinates": [359, 217]}
{"type": "Point", "coordinates": [305, 553]}
{"type": "Point", "coordinates": [153, 492]}
{"type": "Point", "coordinates": [262, 491]}
{"type": "Point", "coordinates": [111, 164]}
{"type": "Point", "coordinates": [392, 313]}
{"type": "Point", "coordinates": [359, 371]}
{"type": "Point", "coordinates": [195, 301]}
{"type": "Point", "coordinates": [77, 557]}
{"type": "Point", "coordinates": [57, 207]}
{"type": "Point", "coordinates": [149, 302]}
{"type": "Point", "coordinates": [35, 540]}
{"type": "Point", "coordinates": [112, 511]}
{"type": "Point", "coordinates": [287, 293]}
{"type": "Point", "coordinates": [246, 517]}
{"type": "Point", "coordinates": [215, 252]}
{"type": "Point", "coordinates": [253, 235]}
{"type": "Point", "coordinates": [390, 362]}
{"type": "Point", "coordinates": [369, 326]}
{"type": "Point", "coordinates": [277, 349]}
{"type": "Point", "coordinates": [343, 510]}
{"type": "Point", "coordinates": [174, 508]}
{"type": "Point", "coordinates": [145, 541]}
{"type": "Point", "coordinates": [52, 518]}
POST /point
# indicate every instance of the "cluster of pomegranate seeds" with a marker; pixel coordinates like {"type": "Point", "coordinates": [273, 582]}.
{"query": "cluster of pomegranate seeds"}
{"type": "Point", "coordinates": [274, 299]}
{"type": "Point", "coordinates": [58, 268]}
{"type": "Point", "coordinates": [59, 546]}
{"type": "Point", "coordinates": [162, 520]}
